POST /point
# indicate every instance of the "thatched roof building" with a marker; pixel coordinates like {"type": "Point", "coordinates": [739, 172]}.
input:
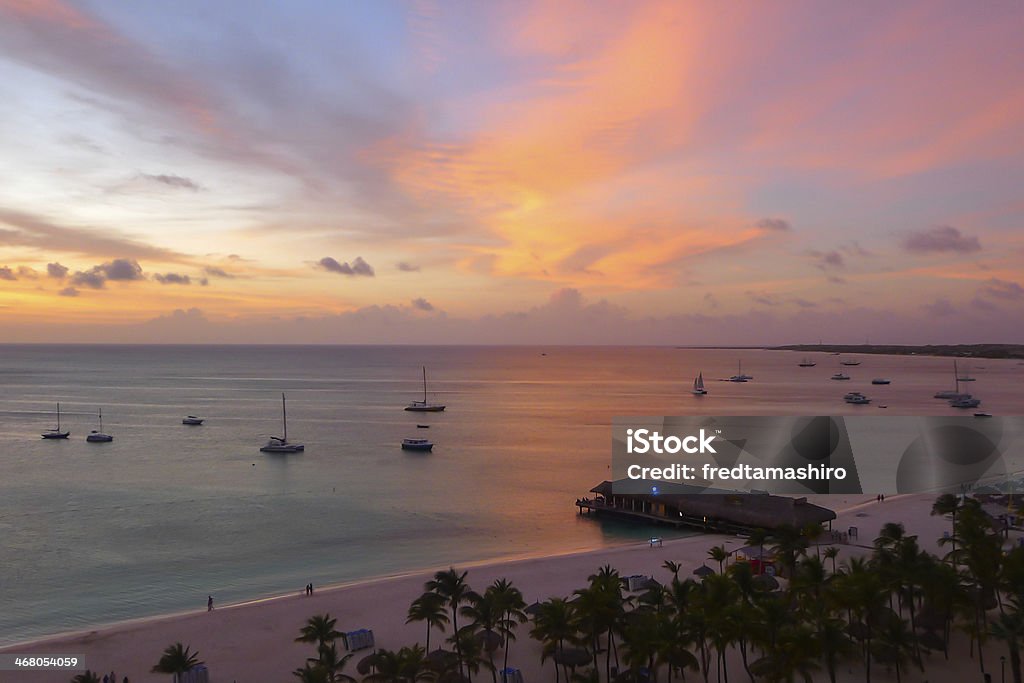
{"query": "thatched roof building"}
{"type": "Point", "coordinates": [682, 505]}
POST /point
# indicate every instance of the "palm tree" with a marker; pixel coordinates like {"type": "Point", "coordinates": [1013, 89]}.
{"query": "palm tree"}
{"type": "Point", "coordinates": [485, 615]}
{"type": "Point", "coordinates": [331, 663]}
{"type": "Point", "coordinates": [793, 658]}
{"type": "Point", "coordinates": [831, 553]}
{"type": "Point", "coordinates": [510, 600]}
{"type": "Point", "coordinates": [311, 673]}
{"type": "Point", "coordinates": [86, 676]}
{"type": "Point", "coordinates": [758, 537]}
{"type": "Point", "coordinates": [790, 544]}
{"type": "Point", "coordinates": [453, 590]}
{"type": "Point", "coordinates": [1009, 627]}
{"type": "Point", "coordinates": [554, 625]}
{"type": "Point", "coordinates": [319, 629]}
{"type": "Point", "coordinates": [430, 608]}
{"type": "Point", "coordinates": [408, 665]}
{"type": "Point", "coordinates": [948, 504]}
{"type": "Point", "coordinates": [673, 567]}
{"type": "Point", "coordinates": [175, 660]}
{"type": "Point", "coordinates": [719, 554]}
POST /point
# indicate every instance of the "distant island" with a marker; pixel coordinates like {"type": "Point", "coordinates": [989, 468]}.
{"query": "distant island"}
{"type": "Point", "coordinates": [966, 350]}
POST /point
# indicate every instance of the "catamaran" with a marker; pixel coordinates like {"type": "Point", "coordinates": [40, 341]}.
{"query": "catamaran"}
{"type": "Point", "coordinates": [423, 406]}
{"type": "Point", "coordinates": [56, 432]}
{"type": "Point", "coordinates": [97, 435]}
{"type": "Point", "coordinates": [739, 376]}
{"type": "Point", "coordinates": [698, 385]}
{"type": "Point", "coordinates": [280, 444]}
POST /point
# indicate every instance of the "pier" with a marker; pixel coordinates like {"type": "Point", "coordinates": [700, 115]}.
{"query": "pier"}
{"type": "Point", "coordinates": [683, 506]}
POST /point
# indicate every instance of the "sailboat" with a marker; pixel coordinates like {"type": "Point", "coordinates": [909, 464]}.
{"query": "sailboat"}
{"type": "Point", "coordinates": [280, 444]}
{"type": "Point", "coordinates": [966, 378]}
{"type": "Point", "coordinates": [423, 406]}
{"type": "Point", "coordinates": [698, 385]}
{"type": "Point", "coordinates": [954, 394]}
{"type": "Point", "coordinates": [806, 363]}
{"type": "Point", "coordinates": [56, 433]}
{"type": "Point", "coordinates": [97, 435]}
{"type": "Point", "coordinates": [739, 376]}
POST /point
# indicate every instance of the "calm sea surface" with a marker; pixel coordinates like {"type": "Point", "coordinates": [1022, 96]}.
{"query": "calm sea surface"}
{"type": "Point", "coordinates": [166, 514]}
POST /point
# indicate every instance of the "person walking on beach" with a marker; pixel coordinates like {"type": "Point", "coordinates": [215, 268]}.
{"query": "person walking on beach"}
{"type": "Point", "coordinates": [310, 589]}
{"type": "Point", "coordinates": [209, 603]}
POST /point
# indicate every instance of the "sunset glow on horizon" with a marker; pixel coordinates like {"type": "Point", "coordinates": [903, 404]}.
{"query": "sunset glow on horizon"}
{"type": "Point", "coordinates": [529, 172]}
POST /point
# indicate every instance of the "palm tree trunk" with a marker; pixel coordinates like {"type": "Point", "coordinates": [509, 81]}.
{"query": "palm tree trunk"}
{"type": "Point", "coordinates": [508, 641]}
{"type": "Point", "coordinates": [1015, 661]}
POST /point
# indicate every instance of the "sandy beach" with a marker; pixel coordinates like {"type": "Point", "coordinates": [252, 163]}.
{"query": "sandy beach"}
{"type": "Point", "coordinates": [254, 641]}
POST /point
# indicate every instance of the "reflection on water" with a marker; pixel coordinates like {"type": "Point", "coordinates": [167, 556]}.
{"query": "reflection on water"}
{"type": "Point", "coordinates": [166, 514]}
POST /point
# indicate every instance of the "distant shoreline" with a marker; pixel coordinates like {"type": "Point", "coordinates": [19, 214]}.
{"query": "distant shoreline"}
{"type": "Point", "coordinates": [950, 350]}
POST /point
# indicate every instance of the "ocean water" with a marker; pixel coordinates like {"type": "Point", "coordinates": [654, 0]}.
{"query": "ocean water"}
{"type": "Point", "coordinates": [96, 533]}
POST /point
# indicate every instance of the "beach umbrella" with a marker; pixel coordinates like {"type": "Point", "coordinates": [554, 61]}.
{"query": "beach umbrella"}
{"type": "Point", "coordinates": [703, 571]}
{"type": "Point", "coordinates": [572, 657]}
{"type": "Point", "coordinates": [769, 583]}
{"type": "Point", "coordinates": [489, 640]}
{"type": "Point", "coordinates": [366, 664]}
{"type": "Point", "coordinates": [533, 609]}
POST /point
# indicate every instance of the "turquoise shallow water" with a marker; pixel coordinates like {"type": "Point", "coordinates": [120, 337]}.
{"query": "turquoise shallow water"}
{"type": "Point", "coordinates": [164, 515]}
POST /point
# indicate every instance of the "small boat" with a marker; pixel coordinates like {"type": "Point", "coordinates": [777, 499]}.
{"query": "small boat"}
{"type": "Point", "coordinates": [840, 375]}
{"type": "Point", "coordinates": [698, 385]}
{"type": "Point", "coordinates": [980, 414]}
{"type": "Point", "coordinates": [739, 376]}
{"type": "Point", "coordinates": [191, 420]}
{"type": "Point", "coordinates": [966, 378]}
{"type": "Point", "coordinates": [97, 435]}
{"type": "Point", "coordinates": [856, 398]}
{"type": "Point", "coordinates": [966, 401]}
{"type": "Point", "coordinates": [417, 445]}
{"type": "Point", "coordinates": [807, 363]}
{"type": "Point", "coordinates": [881, 380]}
{"type": "Point", "coordinates": [422, 426]}
{"type": "Point", "coordinates": [56, 432]}
{"type": "Point", "coordinates": [850, 362]}
{"type": "Point", "coordinates": [280, 444]}
{"type": "Point", "coordinates": [423, 406]}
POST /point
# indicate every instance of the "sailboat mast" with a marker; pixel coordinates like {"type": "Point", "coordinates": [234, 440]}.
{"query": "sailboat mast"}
{"type": "Point", "coordinates": [424, 385]}
{"type": "Point", "coordinates": [956, 376]}
{"type": "Point", "coordinates": [58, 416]}
{"type": "Point", "coordinates": [284, 417]}
{"type": "Point", "coordinates": [101, 419]}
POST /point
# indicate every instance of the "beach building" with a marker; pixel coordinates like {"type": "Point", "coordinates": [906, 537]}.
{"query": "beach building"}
{"type": "Point", "coordinates": [681, 505]}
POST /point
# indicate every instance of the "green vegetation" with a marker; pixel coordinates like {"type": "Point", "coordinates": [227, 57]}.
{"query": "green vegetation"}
{"type": "Point", "coordinates": [895, 608]}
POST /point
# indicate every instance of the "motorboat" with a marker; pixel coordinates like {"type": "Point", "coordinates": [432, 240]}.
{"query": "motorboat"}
{"type": "Point", "coordinates": [56, 432]}
{"type": "Point", "coordinates": [417, 445]}
{"type": "Point", "coordinates": [881, 380]}
{"type": "Point", "coordinates": [280, 444]}
{"type": "Point", "coordinates": [192, 420]}
{"type": "Point", "coordinates": [97, 435]}
{"type": "Point", "coordinates": [850, 362]}
{"type": "Point", "coordinates": [698, 385]}
{"type": "Point", "coordinates": [806, 363]}
{"type": "Point", "coordinates": [982, 414]}
{"type": "Point", "coordinates": [966, 401]}
{"type": "Point", "coordinates": [856, 398]}
{"type": "Point", "coordinates": [840, 375]}
{"type": "Point", "coordinates": [424, 406]}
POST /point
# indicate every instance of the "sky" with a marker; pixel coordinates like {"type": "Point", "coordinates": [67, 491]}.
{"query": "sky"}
{"type": "Point", "coordinates": [511, 172]}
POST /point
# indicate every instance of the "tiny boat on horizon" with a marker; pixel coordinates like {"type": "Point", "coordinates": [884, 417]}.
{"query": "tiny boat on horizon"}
{"type": "Point", "coordinates": [806, 363]}
{"type": "Point", "coordinates": [850, 362]}
{"type": "Point", "coordinates": [981, 414]}
{"type": "Point", "coordinates": [191, 420]}
{"type": "Point", "coordinates": [56, 432]}
{"type": "Point", "coordinates": [881, 380]}
{"type": "Point", "coordinates": [417, 445]}
{"type": "Point", "coordinates": [840, 375]}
